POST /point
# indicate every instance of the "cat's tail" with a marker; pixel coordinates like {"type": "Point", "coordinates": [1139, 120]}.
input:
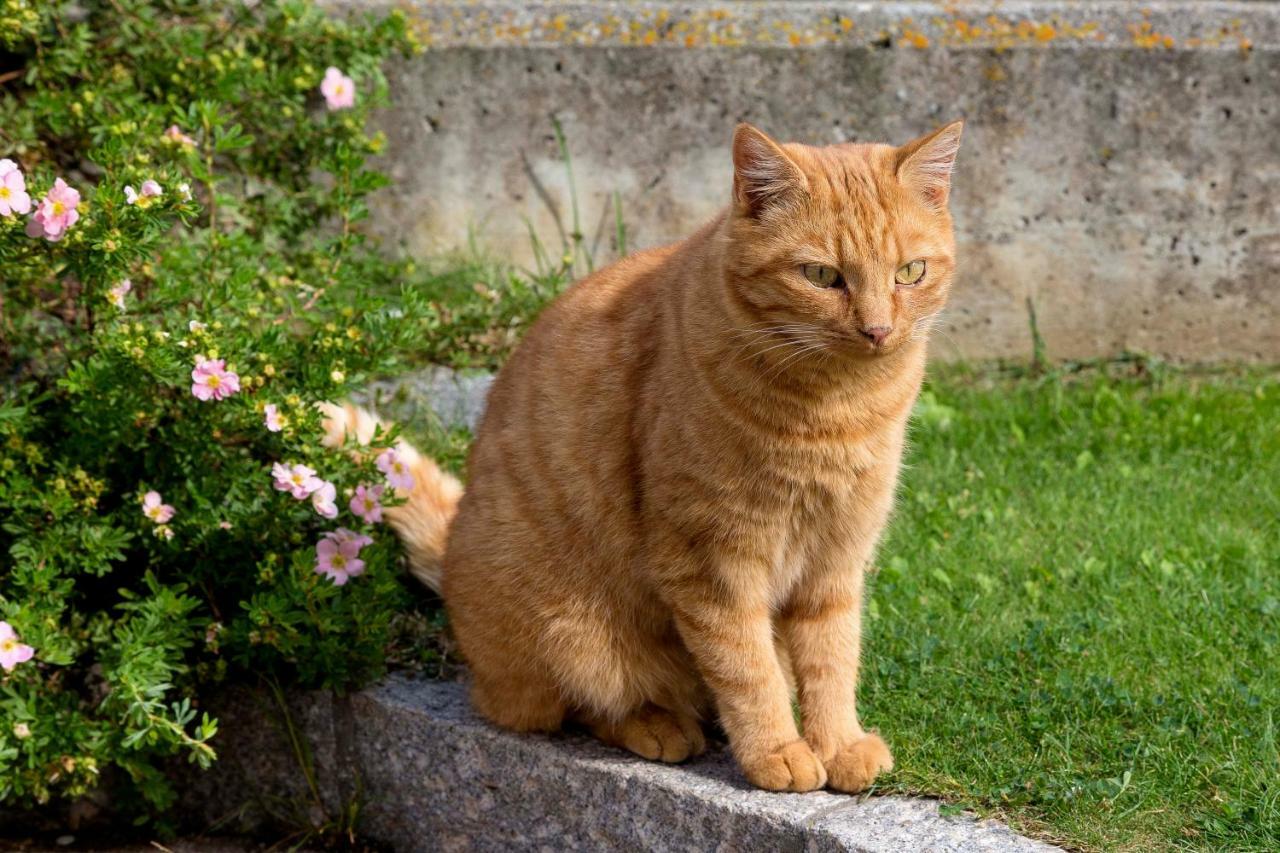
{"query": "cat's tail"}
{"type": "Point", "coordinates": [422, 522]}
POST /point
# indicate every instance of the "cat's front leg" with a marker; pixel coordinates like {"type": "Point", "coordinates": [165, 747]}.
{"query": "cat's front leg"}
{"type": "Point", "coordinates": [822, 629]}
{"type": "Point", "coordinates": [725, 624]}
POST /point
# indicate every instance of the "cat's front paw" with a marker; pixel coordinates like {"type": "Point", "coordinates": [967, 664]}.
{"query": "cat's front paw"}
{"type": "Point", "coordinates": [853, 767]}
{"type": "Point", "coordinates": [793, 767]}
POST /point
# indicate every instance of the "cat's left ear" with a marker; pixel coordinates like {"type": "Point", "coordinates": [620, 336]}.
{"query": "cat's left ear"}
{"type": "Point", "coordinates": [925, 164]}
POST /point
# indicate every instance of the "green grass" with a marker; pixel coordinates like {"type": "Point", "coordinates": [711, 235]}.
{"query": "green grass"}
{"type": "Point", "coordinates": [1076, 620]}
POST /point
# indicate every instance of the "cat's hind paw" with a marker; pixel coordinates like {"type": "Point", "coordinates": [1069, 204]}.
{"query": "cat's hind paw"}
{"type": "Point", "coordinates": [656, 734]}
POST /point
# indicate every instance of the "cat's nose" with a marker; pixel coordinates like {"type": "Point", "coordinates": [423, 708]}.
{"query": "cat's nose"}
{"type": "Point", "coordinates": [876, 334]}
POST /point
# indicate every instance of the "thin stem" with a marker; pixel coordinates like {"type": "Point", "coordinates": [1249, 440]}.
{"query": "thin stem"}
{"type": "Point", "coordinates": [620, 227]}
{"type": "Point", "coordinates": [300, 750]}
{"type": "Point", "coordinates": [213, 202]}
{"type": "Point", "coordinates": [157, 721]}
{"type": "Point", "coordinates": [576, 235]}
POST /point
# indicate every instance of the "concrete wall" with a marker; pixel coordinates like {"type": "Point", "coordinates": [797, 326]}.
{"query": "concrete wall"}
{"type": "Point", "coordinates": [1120, 167]}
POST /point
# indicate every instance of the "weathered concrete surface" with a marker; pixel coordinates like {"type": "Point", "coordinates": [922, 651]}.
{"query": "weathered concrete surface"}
{"type": "Point", "coordinates": [434, 394]}
{"type": "Point", "coordinates": [1119, 167]}
{"type": "Point", "coordinates": [433, 776]}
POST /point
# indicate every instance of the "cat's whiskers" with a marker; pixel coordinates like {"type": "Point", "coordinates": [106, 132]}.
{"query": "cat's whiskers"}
{"type": "Point", "coordinates": [778, 345]}
{"type": "Point", "coordinates": [792, 334]}
{"type": "Point", "coordinates": [812, 347]}
{"type": "Point", "coordinates": [798, 350]}
{"type": "Point", "coordinates": [924, 327]}
{"type": "Point", "coordinates": [941, 327]}
{"type": "Point", "coordinates": [765, 330]}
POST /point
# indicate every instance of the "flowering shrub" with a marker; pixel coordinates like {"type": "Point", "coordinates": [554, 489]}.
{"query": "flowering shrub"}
{"type": "Point", "coordinates": [184, 278]}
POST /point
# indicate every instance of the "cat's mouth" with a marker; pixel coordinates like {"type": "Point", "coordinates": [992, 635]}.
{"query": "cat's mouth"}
{"type": "Point", "coordinates": [859, 344]}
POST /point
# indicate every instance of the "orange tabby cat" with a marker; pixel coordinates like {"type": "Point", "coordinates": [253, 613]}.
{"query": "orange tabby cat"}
{"type": "Point", "coordinates": [685, 466]}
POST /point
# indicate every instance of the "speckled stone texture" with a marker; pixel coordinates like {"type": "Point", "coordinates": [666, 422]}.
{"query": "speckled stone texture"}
{"type": "Point", "coordinates": [433, 776]}
{"type": "Point", "coordinates": [1119, 166]}
{"type": "Point", "coordinates": [433, 394]}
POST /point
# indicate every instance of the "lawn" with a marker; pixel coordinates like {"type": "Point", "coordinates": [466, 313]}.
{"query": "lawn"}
{"type": "Point", "coordinates": [1075, 620]}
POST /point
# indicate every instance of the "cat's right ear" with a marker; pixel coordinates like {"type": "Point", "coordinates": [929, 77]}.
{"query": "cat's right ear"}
{"type": "Point", "coordinates": [763, 174]}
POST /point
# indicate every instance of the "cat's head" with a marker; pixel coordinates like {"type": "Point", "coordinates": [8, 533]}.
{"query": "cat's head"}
{"type": "Point", "coordinates": [848, 247]}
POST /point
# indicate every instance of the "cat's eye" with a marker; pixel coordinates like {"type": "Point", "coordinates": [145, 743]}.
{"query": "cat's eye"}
{"type": "Point", "coordinates": [910, 273]}
{"type": "Point", "coordinates": [820, 275]}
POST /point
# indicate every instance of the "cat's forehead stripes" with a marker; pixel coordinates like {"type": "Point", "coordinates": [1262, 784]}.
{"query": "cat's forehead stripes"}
{"type": "Point", "coordinates": [852, 192]}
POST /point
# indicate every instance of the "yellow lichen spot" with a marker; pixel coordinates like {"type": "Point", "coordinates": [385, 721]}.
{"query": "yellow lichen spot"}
{"type": "Point", "coordinates": [1146, 37]}
{"type": "Point", "coordinates": [1045, 32]}
{"type": "Point", "coordinates": [845, 24]}
{"type": "Point", "coordinates": [914, 38]}
{"type": "Point", "coordinates": [650, 38]}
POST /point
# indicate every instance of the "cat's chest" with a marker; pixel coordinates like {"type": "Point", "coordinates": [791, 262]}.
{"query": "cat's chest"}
{"type": "Point", "coordinates": [828, 460]}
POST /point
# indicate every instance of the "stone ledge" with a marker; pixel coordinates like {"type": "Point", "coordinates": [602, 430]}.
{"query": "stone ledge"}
{"type": "Point", "coordinates": [434, 776]}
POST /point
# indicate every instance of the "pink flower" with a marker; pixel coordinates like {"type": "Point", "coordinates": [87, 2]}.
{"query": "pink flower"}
{"type": "Point", "coordinates": [116, 294]}
{"type": "Point", "coordinates": [390, 463]}
{"type": "Point", "coordinates": [367, 504]}
{"type": "Point", "coordinates": [342, 534]}
{"type": "Point", "coordinates": [299, 480]}
{"type": "Point", "coordinates": [177, 137]}
{"type": "Point", "coordinates": [55, 213]}
{"type": "Point", "coordinates": [338, 561]}
{"type": "Point", "coordinates": [212, 381]}
{"type": "Point", "coordinates": [224, 525]}
{"type": "Point", "coordinates": [274, 420]}
{"type": "Point", "coordinates": [150, 191]}
{"type": "Point", "coordinates": [13, 653]}
{"type": "Point", "coordinates": [13, 190]}
{"type": "Point", "coordinates": [155, 509]}
{"type": "Point", "coordinates": [323, 500]}
{"type": "Point", "coordinates": [338, 89]}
